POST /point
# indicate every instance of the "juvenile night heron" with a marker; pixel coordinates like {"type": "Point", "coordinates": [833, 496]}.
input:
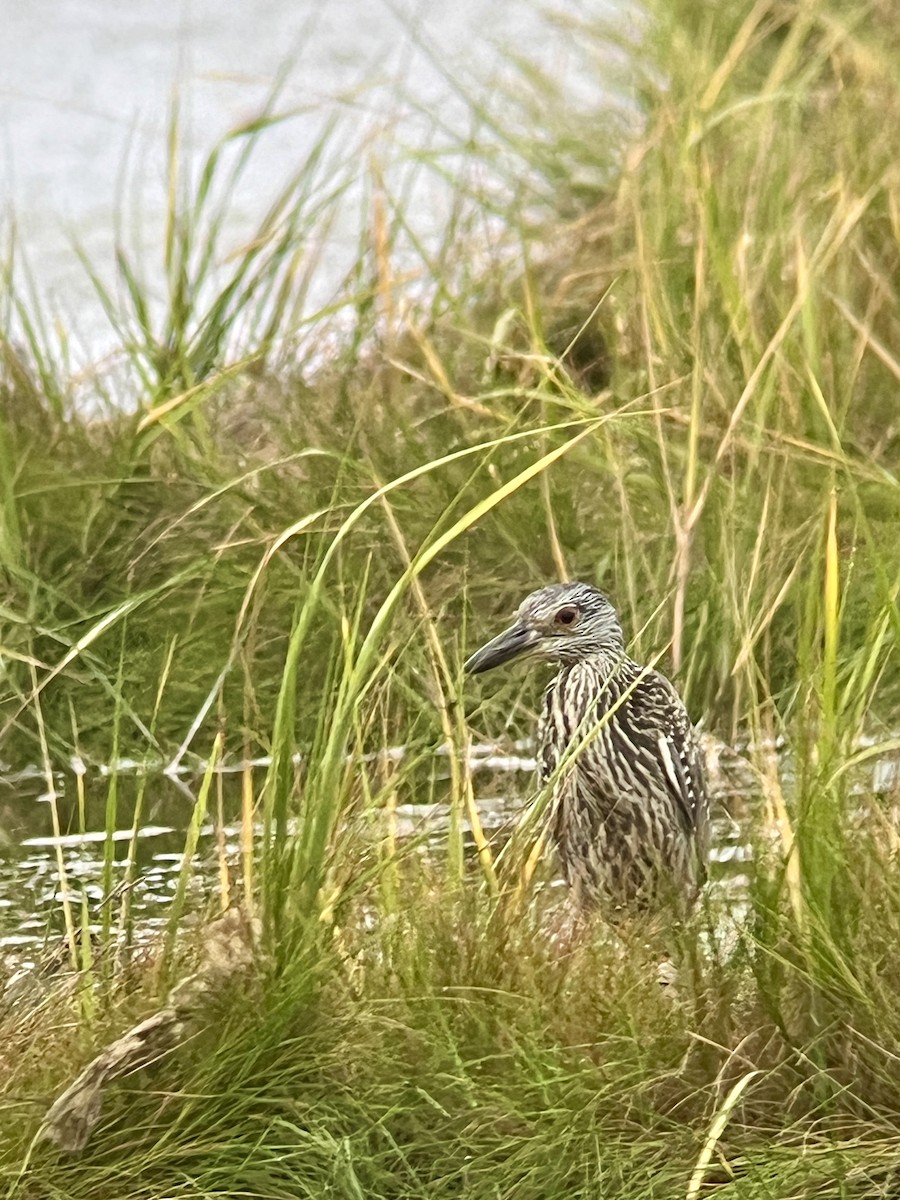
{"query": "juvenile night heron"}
{"type": "Point", "coordinates": [630, 809]}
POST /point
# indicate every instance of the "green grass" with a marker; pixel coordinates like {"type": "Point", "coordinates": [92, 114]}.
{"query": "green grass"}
{"type": "Point", "coordinates": [683, 389]}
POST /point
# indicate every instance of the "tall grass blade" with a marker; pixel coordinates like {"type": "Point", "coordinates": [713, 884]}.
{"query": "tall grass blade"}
{"type": "Point", "coordinates": [191, 841]}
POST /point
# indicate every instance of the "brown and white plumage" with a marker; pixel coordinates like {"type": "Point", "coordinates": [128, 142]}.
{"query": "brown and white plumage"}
{"type": "Point", "coordinates": [630, 809]}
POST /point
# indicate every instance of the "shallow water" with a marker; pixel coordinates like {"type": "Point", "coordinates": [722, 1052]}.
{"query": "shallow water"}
{"type": "Point", "coordinates": [31, 895]}
{"type": "Point", "coordinates": [31, 908]}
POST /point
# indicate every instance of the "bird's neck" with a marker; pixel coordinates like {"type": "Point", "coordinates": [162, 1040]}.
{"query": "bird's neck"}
{"type": "Point", "coordinates": [604, 663]}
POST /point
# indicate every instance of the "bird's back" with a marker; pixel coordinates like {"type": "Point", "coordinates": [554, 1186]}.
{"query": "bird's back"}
{"type": "Point", "coordinates": [631, 811]}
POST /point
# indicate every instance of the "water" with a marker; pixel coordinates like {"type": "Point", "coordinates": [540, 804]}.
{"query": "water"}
{"type": "Point", "coordinates": [86, 87]}
{"type": "Point", "coordinates": [31, 897]}
{"type": "Point", "coordinates": [31, 910]}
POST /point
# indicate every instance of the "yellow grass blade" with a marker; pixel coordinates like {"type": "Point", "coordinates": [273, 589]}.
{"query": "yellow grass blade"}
{"type": "Point", "coordinates": [716, 1130]}
{"type": "Point", "coordinates": [832, 617]}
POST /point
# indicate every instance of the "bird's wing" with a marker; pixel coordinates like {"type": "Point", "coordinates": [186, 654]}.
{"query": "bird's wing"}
{"type": "Point", "coordinates": [652, 726]}
{"type": "Point", "coordinates": [645, 741]}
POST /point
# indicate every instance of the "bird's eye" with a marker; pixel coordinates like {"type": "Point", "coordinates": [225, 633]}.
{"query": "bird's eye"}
{"type": "Point", "coordinates": [566, 616]}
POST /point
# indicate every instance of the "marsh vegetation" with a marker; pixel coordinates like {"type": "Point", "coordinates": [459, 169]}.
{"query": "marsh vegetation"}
{"type": "Point", "coordinates": [657, 350]}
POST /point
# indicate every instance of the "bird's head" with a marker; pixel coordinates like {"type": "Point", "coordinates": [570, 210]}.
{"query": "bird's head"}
{"type": "Point", "coordinates": [564, 623]}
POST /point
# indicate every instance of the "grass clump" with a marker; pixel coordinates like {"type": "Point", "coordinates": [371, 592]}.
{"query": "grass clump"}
{"type": "Point", "coordinates": [446, 1051]}
{"type": "Point", "coordinates": [687, 396]}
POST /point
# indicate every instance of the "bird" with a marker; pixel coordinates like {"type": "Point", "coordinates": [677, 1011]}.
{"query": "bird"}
{"type": "Point", "coordinates": [630, 805]}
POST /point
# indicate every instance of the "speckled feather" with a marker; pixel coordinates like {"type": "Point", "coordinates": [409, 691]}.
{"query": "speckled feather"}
{"type": "Point", "coordinates": [630, 812]}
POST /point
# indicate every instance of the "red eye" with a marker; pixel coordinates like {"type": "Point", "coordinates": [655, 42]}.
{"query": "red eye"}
{"type": "Point", "coordinates": [566, 616]}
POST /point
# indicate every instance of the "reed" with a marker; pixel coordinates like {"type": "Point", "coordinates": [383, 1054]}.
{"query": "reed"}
{"type": "Point", "coordinates": [682, 389]}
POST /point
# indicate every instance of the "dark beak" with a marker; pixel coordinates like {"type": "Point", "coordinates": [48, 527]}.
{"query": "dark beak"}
{"type": "Point", "coordinates": [512, 642]}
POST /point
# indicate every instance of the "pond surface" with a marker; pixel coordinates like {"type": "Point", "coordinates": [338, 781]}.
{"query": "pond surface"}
{"type": "Point", "coordinates": [86, 88]}
{"type": "Point", "coordinates": [31, 893]}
